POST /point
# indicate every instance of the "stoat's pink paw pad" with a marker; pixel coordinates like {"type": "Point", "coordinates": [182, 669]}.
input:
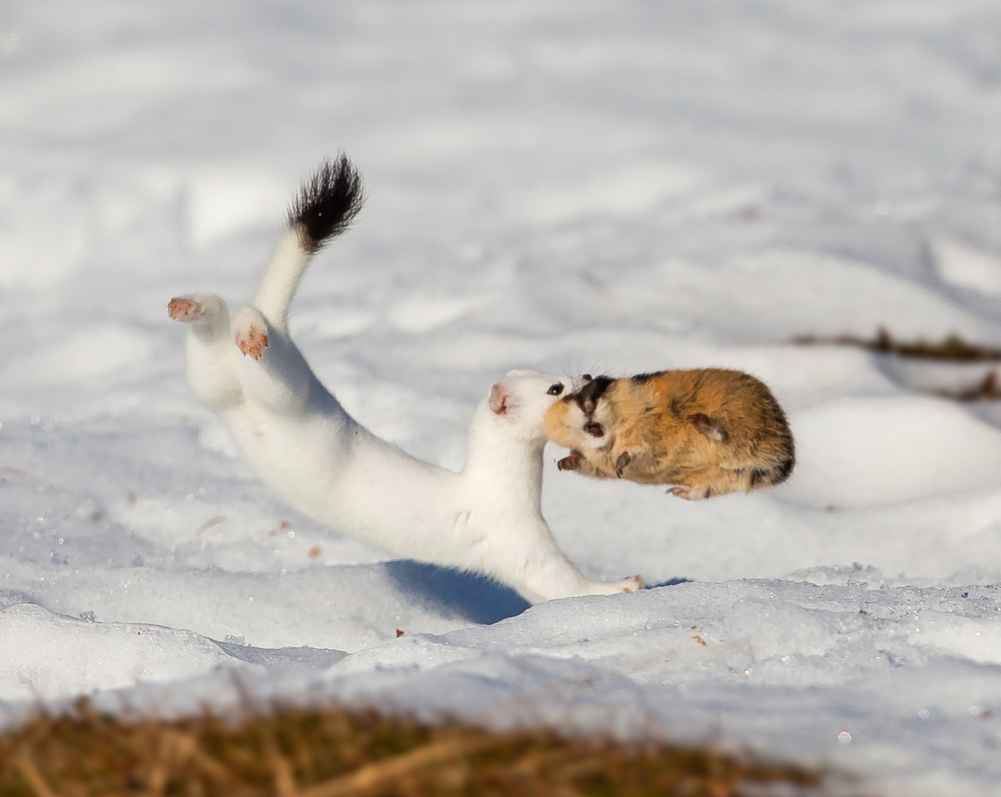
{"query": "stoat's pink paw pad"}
{"type": "Point", "coordinates": [696, 493]}
{"type": "Point", "coordinates": [252, 340]}
{"type": "Point", "coordinates": [186, 309]}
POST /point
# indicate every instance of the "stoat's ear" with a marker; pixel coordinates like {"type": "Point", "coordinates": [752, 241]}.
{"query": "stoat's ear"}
{"type": "Point", "coordinates": [499, 399]}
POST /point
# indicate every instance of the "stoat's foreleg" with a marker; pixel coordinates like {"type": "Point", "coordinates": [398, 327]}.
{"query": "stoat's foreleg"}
{"type": "Point", "coordinates": [533, 564]}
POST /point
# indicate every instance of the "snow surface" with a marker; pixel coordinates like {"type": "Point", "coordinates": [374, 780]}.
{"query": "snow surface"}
{"type": "Point", "coordinates": [604, 187]}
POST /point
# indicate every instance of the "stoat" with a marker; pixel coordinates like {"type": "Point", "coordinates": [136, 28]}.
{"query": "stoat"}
{"type": "Point", "coordinates": [486, 519]}
{"type": "Point", "coordinates": [709, 431]}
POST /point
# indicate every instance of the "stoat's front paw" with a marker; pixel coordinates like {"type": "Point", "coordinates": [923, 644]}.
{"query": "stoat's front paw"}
{"type": "Point", "coordinates": [631, 584]}
{"type": "Point", "coordinates": [252, 339]}
{"type": "Point", "coordinates": [696, 493]}
{"type": "Point", "coordinates": [186, 309]}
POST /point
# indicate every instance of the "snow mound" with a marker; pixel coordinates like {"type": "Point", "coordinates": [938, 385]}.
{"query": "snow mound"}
{"type": "Point", "coordinates": [58, 655]}
{"type": "Point", "coordinates": [867, 452]}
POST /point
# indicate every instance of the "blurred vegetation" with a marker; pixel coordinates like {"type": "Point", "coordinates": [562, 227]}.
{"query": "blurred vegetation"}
{"type": "Point", "coordinates": [296, 752]}
{"type": "Point", "coordinates": [952, 349]}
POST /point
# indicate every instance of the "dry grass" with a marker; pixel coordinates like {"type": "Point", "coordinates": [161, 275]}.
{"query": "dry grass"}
{"type": "Point", "coordinates": [293, 752]}
{"type": "Point", "coordinates": [987, 390]}
{"type": "Point", "coordinates": [951, 349]}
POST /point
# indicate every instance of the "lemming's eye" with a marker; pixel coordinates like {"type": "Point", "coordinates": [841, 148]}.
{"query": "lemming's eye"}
{"type": "Point", "coordinates": [556, 389]}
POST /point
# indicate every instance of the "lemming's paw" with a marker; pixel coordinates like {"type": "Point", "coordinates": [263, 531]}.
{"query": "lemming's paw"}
{"type": "Point", "coordinates": [186, 309]}
{"type": "Point", "coordinates": [252, 339]}
{"type": "Point", "coordinates": [571, 462]}
{"type": "Point", "coordinates": [620, 464]}
{"type": "Point", "coordinates": [696, 493]}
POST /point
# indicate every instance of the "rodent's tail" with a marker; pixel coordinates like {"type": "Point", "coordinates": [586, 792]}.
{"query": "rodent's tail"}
{"type": "Point", "coordinates": [324, 208]}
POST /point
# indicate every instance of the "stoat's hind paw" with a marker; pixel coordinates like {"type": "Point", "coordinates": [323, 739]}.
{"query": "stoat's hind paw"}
{"type": "Point", "coordinates": [251, 337]}
{"type": "Point", "coordinates": [186, 309]}
{"type": "Point", "coordinates": [696, 493]}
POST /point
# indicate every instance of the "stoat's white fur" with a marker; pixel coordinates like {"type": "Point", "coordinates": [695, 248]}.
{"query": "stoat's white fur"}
{"type": "Point", "coordinates": [487, 518]}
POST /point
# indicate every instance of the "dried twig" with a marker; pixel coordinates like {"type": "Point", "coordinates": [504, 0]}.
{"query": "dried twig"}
{"type": "Point", "coordinates": [26, 766]}
{"type": "Point", "coordinates": [382, 772]}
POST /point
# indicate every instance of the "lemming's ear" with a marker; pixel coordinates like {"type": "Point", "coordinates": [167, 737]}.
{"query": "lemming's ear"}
{"type": "Point", "coordinates": [498, 399]}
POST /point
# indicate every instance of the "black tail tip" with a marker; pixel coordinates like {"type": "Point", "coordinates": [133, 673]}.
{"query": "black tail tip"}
{"type": "Point", "coordinates": [327, 202]}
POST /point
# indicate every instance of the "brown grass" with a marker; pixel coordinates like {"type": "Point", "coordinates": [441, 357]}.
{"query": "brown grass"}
{"type": "Point", "coordinates": [331, 752]}
{"type": "Point", "coordinates": [951, 349]}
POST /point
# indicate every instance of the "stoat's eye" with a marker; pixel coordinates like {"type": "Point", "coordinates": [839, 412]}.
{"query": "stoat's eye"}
{"type": "Point", "coordinates": [556, 389]}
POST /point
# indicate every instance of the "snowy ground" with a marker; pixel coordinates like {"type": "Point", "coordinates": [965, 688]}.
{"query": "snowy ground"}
{"type": "Point", "coordinates": [569, 186]}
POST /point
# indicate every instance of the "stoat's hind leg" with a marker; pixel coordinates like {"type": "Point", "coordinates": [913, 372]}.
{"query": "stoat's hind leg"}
{"type": "Point", "coordinates": [273, 371]}
{"type": "Point", "coordinates": [210, 362]}
{"type": "Point", "coordinates": [250, 331]}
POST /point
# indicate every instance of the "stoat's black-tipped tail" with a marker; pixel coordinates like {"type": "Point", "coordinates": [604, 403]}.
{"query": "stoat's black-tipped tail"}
{"type": "Point", "coordinates": [324, 207]}
{"type": "Point", "coordinates": [327, 203]}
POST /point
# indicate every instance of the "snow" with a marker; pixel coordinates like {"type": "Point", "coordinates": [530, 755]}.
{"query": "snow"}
{"type": "Point", "coordinates": [572, 187]}
{"type": "Point", "coordinates": [966, 266]}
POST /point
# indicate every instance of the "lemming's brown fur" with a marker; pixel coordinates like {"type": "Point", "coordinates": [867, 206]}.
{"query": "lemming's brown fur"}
{"type": "Point", "coordinates": [709, 431]}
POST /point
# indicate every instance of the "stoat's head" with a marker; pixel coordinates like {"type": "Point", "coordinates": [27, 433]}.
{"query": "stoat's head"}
{"type": "Point", "coordinates": [580, 419]}
{"type": "Point", "coordinates": [520, 400]}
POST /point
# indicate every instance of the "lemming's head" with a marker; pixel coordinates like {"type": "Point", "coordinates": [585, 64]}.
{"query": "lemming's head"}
{"type": "Point", "coordinates": [578, 420]}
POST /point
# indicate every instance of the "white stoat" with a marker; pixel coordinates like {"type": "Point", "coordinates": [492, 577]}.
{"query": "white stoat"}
{"type": "Point", "coordinates": [486, 519]}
